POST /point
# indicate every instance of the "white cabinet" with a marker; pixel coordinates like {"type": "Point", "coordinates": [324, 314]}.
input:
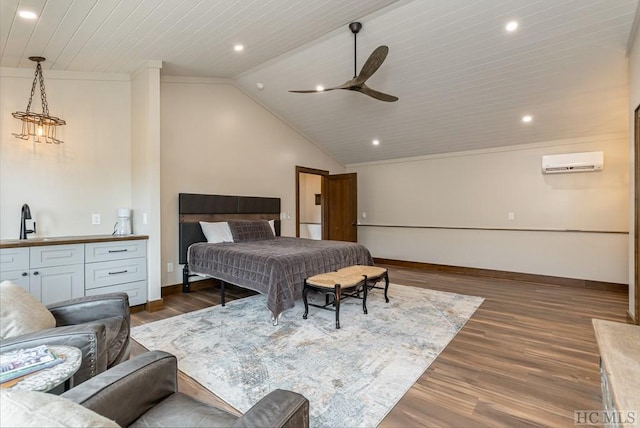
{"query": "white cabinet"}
{"type": "Point", "coordinates": [115, 267]}
{"type": "Point", "coordinates": [52, 273]}
{"type": "Point", "coordinates": [14, 266]}
{"type": "Point", "coordinates": [58, 283]}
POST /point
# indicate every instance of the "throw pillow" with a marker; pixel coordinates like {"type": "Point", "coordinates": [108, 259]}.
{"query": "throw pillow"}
{"type": "Point", "coordinates": [39, 409]}
{"type": "Point", "coordinates": [250, 230]}
{"type": "Point", "coordinates": [20, 312]}
{"type": "Point", "coordinates": [216, 232]}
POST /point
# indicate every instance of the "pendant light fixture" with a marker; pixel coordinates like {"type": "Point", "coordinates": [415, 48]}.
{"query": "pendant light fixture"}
{"type": "Point", "coordinates": [40, 126]}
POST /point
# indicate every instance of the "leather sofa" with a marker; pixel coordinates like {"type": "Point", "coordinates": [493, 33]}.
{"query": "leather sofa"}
{"type": "Point", "coordinates": [98, 325]}
{"type": "Point", "coordinates": [143, 392]}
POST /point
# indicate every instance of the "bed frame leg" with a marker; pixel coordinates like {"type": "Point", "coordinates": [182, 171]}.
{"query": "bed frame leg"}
{"type": "Point", "coordinates": [185, 279]}
{"type": "Point", "coordinates": [222, 296]}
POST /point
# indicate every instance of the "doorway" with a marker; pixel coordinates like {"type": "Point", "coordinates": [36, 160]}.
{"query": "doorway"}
{"type": "Point", "coordinates": [330, 213]}
{"type": "Point", "coordinates": [309, 202]}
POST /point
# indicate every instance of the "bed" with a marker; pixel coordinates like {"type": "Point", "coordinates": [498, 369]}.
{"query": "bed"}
{"type": "Point", "coordinates": [275, 266]}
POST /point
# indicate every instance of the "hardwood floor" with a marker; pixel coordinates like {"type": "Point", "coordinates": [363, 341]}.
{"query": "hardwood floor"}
{"type": "Point", "coordinates": [527, 357]}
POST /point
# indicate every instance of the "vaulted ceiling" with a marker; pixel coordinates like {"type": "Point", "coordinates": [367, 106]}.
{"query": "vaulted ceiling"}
{"type": "Point", "coordinates": [463, 81]}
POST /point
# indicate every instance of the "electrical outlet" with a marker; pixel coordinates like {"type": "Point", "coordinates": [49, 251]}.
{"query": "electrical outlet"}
{"type": "Point", "coordinates": [364, 214]}
{"type": "Point", "coordinates": [95, 218]}
{"type": "Point", "coordinates": [169, 267]}
{"type": "Point", "coordinates": [511, 215]}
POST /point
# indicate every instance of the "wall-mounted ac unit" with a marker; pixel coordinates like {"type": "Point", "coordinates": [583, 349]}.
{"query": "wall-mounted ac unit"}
{"type": "Point", "coordinates": [572, 162]}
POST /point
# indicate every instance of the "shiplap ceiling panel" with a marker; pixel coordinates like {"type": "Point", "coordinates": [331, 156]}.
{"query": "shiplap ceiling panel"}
{"type": "Point", "coordinates": [463, 81]}
{"type": "Point", "coordinates": [46, 29]}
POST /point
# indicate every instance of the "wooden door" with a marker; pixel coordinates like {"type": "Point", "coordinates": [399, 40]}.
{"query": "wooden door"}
{"type": "Point", "coordinates": [341, 209]}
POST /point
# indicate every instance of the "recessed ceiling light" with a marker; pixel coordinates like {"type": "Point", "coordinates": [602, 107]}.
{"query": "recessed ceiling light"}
{"type": "Point", "coordinates": [238, 48]}
{"type": "Point", "coordinates": [376, 142]}
{"type": "Point", "coordinates": [527, 118]}
{"type": "Point", "coordinates": [27, 14]}
{"type": "Point", "coordinates": [319, 88]}
{"type": "Point", "coordinates": [512, 26]}
{"type": "Point", "coordinates": [260, 85]}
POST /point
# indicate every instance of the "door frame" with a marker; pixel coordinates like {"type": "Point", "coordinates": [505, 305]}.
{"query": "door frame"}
{"type": "Point", "coordinates": [636, 211]}
{"type": "Point", "coordinates": [312, 171]}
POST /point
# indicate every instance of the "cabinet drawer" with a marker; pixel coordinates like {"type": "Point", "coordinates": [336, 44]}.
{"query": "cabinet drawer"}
{"type": "Point", "coordinates": [56, 255]}
{"type": "Point", "coordinates": [106, 251]}
{"type": "Point", "coordinates": [116, 272]}
{"type": "Point", "coordinates": [14, 259]}
{"type": "Point", "coordinates": [137, 291]}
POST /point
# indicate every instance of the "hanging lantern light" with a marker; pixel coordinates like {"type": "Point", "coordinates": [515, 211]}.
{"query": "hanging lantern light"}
{"type": "Point", "coordinates": [40, 126]}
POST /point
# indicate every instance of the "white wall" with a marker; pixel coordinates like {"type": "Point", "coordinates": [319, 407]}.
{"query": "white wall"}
{"type": "Point", "coordinates": [217, 140]}
{"type": "Point", "coordinates": [634, 101]}
{"type": "Point", "coordinates": [478, 189]}
{"type": "Point", "coordinates": [65, 184]}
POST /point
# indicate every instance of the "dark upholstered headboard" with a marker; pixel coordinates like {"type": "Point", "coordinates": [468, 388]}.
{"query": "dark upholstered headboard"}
{"type": "Point", "coordinates": [193, 208]}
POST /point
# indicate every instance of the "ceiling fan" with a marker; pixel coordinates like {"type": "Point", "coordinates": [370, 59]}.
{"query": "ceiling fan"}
{"type": "Point", "coordinates": [372, 64]}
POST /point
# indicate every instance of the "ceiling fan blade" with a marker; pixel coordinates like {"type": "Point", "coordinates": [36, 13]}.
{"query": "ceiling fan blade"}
{"type": "Point", "coordinates": [372, 64]}
{"type": "Point", "coordinates": [345, 85]}
{"type": "Point", "coordinates": [376, 94]}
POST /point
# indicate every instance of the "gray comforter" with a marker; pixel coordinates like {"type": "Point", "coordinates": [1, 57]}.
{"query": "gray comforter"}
{"type": "Point", "coordinates": [275, 267]}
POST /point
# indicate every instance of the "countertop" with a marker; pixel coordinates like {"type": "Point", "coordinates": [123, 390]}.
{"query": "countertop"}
{"type": "Point", "coordinates": [619, 346]}
{"type": "Point", "coordinates": [62, 240]}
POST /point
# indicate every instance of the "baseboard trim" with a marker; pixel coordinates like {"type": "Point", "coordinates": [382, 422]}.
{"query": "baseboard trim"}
{"type": "Point", "coordinates": [138, 308]}
{"type": "Point", "coordinates": [155, 305]}
{"type": "Point", "coordinates": [517, 276]}
{"type": "Point", "coordinates": [631, 319]}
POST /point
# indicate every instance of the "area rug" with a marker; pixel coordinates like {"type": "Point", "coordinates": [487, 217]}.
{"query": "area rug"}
{"type": "Point", "coordinates": [352, 376]}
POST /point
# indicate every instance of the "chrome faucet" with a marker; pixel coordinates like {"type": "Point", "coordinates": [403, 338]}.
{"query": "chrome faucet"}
{"type": "Point", "coordinates": [25, 214]}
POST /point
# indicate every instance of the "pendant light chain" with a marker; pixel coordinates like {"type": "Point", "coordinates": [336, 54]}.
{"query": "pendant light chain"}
{"type": "Point", "coordinates": [43, 94]}
{"type": "Point", "coordinates": [33, 88]}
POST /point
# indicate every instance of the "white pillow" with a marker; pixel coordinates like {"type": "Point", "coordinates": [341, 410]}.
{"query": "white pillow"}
{"type": "Point", "coordinates": [272, 223]}
{"type": "Point", "coordinates": [216, 232]}
{"type": "Point", "coordinates": [39, 409]}
{"type": "Point", "coordinates": [20, 312]}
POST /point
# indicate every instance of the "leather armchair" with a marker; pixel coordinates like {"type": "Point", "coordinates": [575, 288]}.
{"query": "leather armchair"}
{"type": "Point", "coordinates": [143, 392]}
{"type": "Point", "coordinates": [98, 325]}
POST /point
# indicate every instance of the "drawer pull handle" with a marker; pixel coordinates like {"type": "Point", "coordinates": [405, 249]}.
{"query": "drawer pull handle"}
{"type": "Point", "coordinates": [119, 251]}
{"type": "Point", "coordinates": [116, 273]}
{"type": "Point", "coordinates": [24, 274]}
{"type": "Point", "coordinates": [36, 273]}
